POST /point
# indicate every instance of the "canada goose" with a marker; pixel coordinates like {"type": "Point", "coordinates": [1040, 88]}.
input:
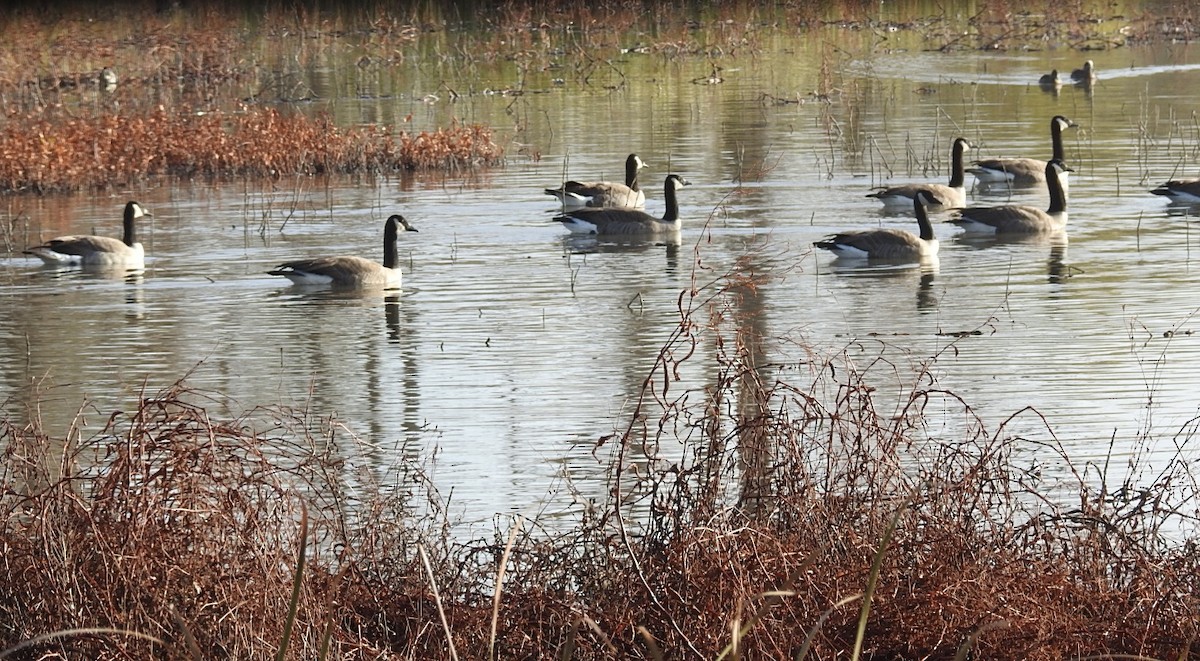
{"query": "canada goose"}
{"type": "Point", "coordinates": [90, 250]}
{"type": "Point", "coordinates": [1023, 171]}
{"type": "Point", "coordinates": [1050, 79]}
{"type": "Point", "coordinates": [628, 222]}
{"type": "Point", "coordinates": [889, 244]}
{"type": "Point", "coordinates": [575, 194]}
{"type": "Point", "coordinates": [1180, 190]}
{"type": "Point", "coordinates": [951, 195]}
{"type": "Point", "coordinates": [1020, 218]}
{"type": "Point", "coordinates": [349, 270]}
{"type": "Point", "coordinates": [1085, 75]}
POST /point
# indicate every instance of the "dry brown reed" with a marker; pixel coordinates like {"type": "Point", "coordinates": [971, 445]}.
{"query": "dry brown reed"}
{"type": "Point", "coordinates": [43, 153]}
{"type": "Point", "coordinates": [797, 487]}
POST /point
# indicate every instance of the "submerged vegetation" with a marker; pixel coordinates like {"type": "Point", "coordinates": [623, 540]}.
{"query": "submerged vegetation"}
{"type": "Point", "coordinates": [806, 515]}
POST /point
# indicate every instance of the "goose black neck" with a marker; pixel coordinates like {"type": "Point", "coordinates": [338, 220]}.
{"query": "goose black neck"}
{"type": "Point", "coordinates": [631, 173]}
{"type": "Point", "coordinates": [390, 256]}
{"type": "Point", "coordinates": [957, 175]}
{"type": "Point", "coordinates": [129, 234]}
{"type": "Point", "coordinates": [672, 213]}
{"type": "Point", "coordinates": [1056, 139]}
{"type": "Point", "coordinates": [923, 219]}
{"type": "Point", "coordinates": [1058, 196]}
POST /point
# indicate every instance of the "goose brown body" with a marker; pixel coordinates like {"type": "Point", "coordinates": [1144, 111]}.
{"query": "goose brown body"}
{"type": "Point", "coordinates": [351, 271]}
{"type": "Point", "coordinates": [575, 194]}
{"type": "Point", "coordinates": [91, 250]}
{"type": "Point", "coordinates": [1180, 190]}
{"type": "Point", "coordinates": [1085, 74]}
{"type": "Point", "coordinates": [888, 244]}
{"type": "Point", "coordinates": [953, 194]}
{"type": "Point", "coordinates": [1023, 171]}
{"type": "Point", "coordinates": [628, 222]}
{"type": "Point", "coordinates": [1020, 218]}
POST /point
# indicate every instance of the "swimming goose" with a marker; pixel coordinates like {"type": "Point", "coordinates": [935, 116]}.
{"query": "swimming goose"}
{"type": "Point", "coordinates": [1050, 79]}
{"type": "Point", "coordinates": [889, 244]}
{"type": "Point", "coordinates": [351, 271]}
{"type": "Point", "coordinates": [1180, 190]}
{"type": "Point", "coordinates": [628, 222]}
{"type": "Point", "coordinates": [575, 194]}
{"type": "Point", "coordinates": [1023, 171]}
{"type": "Point", "coordinates": [1019, 218]}
{"type": "Point", "coordinates": [951, 195]}
{"type": "Point", "coordinates": [1085, 75]}
{"type": "Point", "coordinates": [89, 250]}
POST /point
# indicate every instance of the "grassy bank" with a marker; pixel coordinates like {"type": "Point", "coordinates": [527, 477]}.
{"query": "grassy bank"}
{"type": "Point", "coordinates": [810, 516]}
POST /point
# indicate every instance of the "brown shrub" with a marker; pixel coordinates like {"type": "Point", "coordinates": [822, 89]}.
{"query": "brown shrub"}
{"type": "Point", "coordinates": [44, 152]}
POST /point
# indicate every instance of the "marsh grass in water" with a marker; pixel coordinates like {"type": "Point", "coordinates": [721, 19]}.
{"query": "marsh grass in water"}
{"type": "Point", "coordinates": [807, 516]}
{"type": "Point", "coordinates": [52, 153]}
{"type": "Point", "coordinates": [182, 107]}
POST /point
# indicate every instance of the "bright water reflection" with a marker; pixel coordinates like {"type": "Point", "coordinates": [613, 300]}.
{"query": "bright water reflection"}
{"type": "Point", "coordinates": [514, 347]}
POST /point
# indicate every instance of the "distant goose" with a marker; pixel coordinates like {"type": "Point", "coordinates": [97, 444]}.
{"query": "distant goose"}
{"type": "Point", "coordinates": [1180, 190]}
{"type": "Point", "coordinates": [351, 271]}
{"type": "Point", "coordinates": [1019, 218]}
{"type": "Point", "coordinates": [89, 250]}
{"type": "Point", "coordinates": [1085, 75]}
{"type": "Point", "coordinates": [889, 244]}
{"type": "Point", "coordinates": [1050, 79]}
{"type": "Point", "coordinates": [1023, 171]}
{"type": "Point", "coordinates": [574, 194]}
{"type": "Point", "coordinates": [952, 195]}
{"type": "Point", "coordinates": [108, 78]}
{"type": "Point", "coordinates": [628, 222]}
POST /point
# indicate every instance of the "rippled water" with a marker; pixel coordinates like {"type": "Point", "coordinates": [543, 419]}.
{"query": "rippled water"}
{"type": "Point", "coordinates": [513, 348]}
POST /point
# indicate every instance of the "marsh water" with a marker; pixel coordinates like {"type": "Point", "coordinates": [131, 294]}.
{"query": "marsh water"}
{"type": "Point", "coordinates": [513, 348]}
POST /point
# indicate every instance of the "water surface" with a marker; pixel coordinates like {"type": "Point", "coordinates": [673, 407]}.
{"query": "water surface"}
{"type": "Point", "coordinates": [513, 348]}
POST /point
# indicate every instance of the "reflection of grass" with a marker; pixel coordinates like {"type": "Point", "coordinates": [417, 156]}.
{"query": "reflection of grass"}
{"type": "Point", "coordinates": [805, 512]}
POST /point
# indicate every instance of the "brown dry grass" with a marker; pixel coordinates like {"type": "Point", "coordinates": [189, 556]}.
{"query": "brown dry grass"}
{"type": "Point", "coordinates": [43, 152]}
{"type": "Point", "coordinates": [173, 523]}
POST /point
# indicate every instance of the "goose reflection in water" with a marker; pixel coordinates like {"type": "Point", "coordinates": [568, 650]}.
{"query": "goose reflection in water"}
{"type": "Point", "coordinates": [391, 316]}
{"type": "Point", "coordinates": [1057, 268]}
{"type": "Point", "coordinates": [1183, 209]}
{"type": "Point", "coordinates": [581, 245]}
{"type": "Point", "coordinates": [924, 272]}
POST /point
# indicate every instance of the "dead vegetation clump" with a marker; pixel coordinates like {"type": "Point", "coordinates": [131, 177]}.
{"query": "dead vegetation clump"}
{"type": "Point", "coordinates": [787, 510]}
{"type": "Point", "coordinates": [43, 153]}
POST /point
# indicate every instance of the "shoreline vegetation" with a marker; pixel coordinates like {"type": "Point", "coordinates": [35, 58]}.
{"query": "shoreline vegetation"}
{"type": "Point", "coordinates": [809, 514]}
{"type": "Point", "coordinates": [107, 96]}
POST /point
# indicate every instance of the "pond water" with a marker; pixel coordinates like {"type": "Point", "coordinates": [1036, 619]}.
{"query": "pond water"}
{"type": "Point", "coordinates": [512, 348]}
